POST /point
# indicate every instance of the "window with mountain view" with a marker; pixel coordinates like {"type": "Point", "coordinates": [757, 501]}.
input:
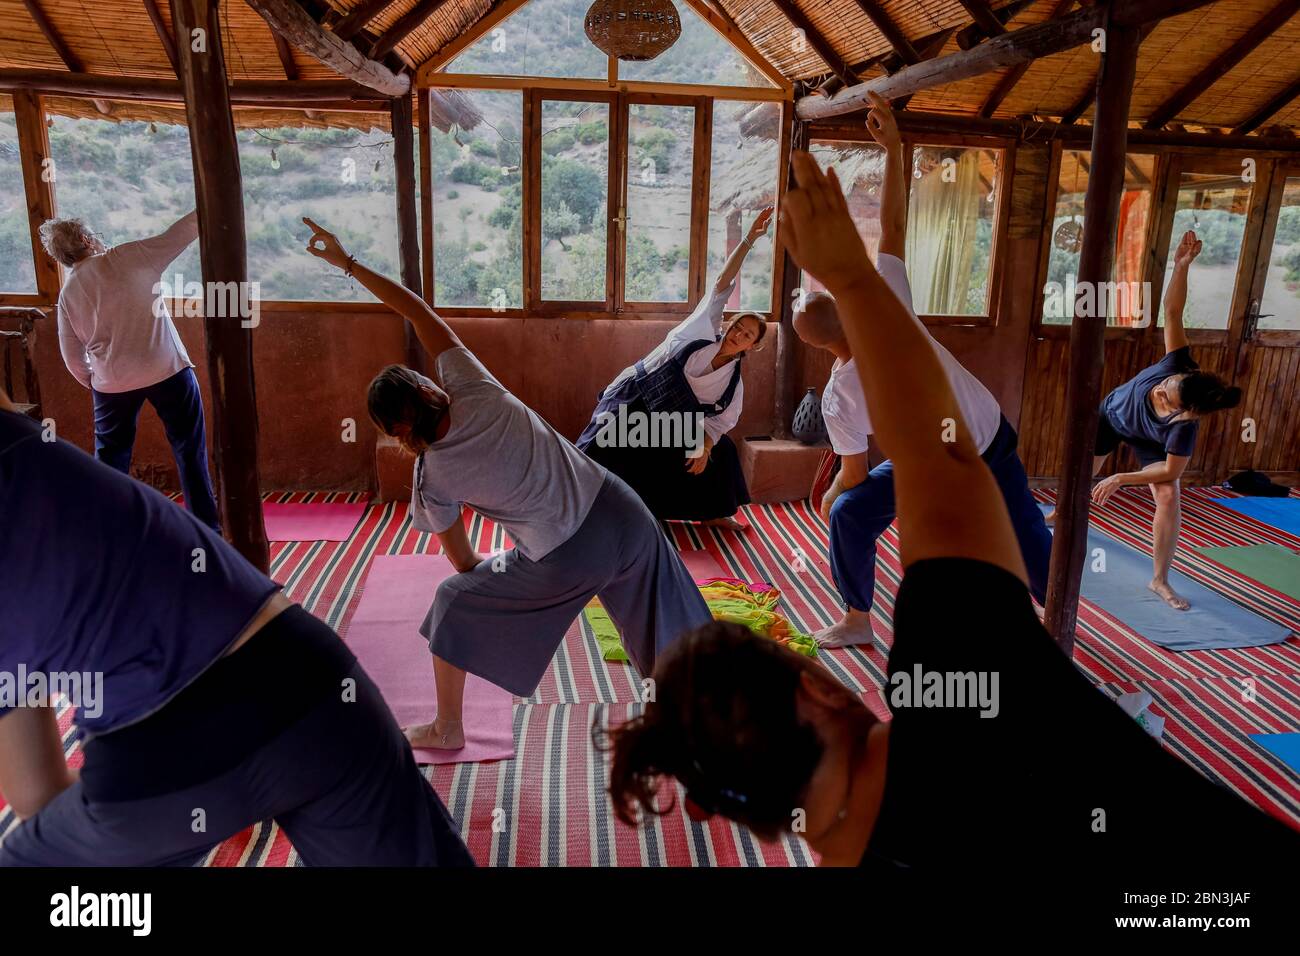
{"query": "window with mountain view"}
{"type": "Point", "coordinates": [700, 55]}
{"type": "Point", "coordinates": [742, 181]}
{"type": "Point", "coordinates": [1215, 207]}
{"type": "Point", "coordinates": [542, 38]}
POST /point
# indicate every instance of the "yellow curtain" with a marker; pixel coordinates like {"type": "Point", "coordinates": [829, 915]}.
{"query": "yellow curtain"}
{"type": "Point", "coordinates": [942, 220]}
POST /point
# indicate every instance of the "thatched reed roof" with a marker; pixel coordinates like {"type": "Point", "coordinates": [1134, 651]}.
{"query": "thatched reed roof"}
{"type": "Point", "coordinates": [117, 37]}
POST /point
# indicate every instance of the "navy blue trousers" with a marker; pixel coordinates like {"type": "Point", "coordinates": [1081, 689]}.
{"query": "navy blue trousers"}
{"type": "Point", "coordinates": [179, 405]}
{"type": "Point", "coordinates": [860, 515]}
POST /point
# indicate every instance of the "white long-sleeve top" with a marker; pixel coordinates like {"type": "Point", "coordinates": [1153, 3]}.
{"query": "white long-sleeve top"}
{"type": "Point", "coordinates": [707, 383]}
{"type": "Point", "coordinates": [115, 332]}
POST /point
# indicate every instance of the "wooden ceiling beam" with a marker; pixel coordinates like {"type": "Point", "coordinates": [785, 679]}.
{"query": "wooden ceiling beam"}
{"type": "Point", "coordinates": [983, 16]}
{"type": "Point", "coordinates": [285, 52]}
{"type": "Point", "coordinates": [890, 31]}
{"type": "Point", "coordinates": [1016, 73]}
{"type": "Point", "coordinates": [1270, 109]}
{"type": "Point", "coordinates": [1010, 49]}
{"type": "Point", "coordinates": [160, 28]}
{"type": "Point", "coordinates": [297, 26]}
{"type": "Point", "coordinates": [1090, 94]}
{"type": "Point", "coordinates": [404, 26]}
{"type": "Point", "coordinates": [70, 59]}
{"type": "Point", "coordinates": [821, 46]}
{"type": "Point", "coordinates": [313, 93]}
{"type": "Point", "coordinates": [499, 10]}
{"type": "Point", "coordinates": [355, 20]}
{"type": "Point", "coordinates": [969, 36]}
{"type": "Point", "coordinates": [1264, 28]}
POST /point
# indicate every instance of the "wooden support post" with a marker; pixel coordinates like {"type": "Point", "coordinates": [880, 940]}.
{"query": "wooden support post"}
{"type": "Point", "coordinates": [223, 257]}
{"type": "Point", "coordinates": [787, 346]}
{"type": "Point", "coordinates": [1087, 333]}
{"type": "Point", "coordinates": [425, 121]}
{"type": "Point", "coordinates": [38, 185]}
{"type": "Point", "coordinates": [408, 225]}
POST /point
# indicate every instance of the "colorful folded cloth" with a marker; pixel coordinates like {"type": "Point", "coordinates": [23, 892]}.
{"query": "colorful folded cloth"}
{"type": "Point", "coordinates": [752, 605]}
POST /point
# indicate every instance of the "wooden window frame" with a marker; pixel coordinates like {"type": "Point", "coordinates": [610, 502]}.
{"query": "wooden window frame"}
{"type": "Point", "coordinates": [1279, 172]}
{"type": "Point", "coordinates": [1154, 247]}
{"type": "Point", "coordinates": [703, 99]}
{"type": "Point", "coordinates": [1006, 147]}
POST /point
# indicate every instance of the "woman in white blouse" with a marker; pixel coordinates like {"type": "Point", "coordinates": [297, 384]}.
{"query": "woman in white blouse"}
{"type": "Point", "coordinates": [662, 424]}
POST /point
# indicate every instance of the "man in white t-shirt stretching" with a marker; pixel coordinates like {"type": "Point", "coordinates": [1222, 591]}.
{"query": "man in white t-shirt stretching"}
{"type": "Point", "coordinates": [859, 505]}
{"type": "Point", "coordinates": [118, 340]}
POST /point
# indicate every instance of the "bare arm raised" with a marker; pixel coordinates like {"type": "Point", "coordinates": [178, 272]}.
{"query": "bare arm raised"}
{"type": "Point", "coordinates": [434, 334]}
{"type": "Point", "coordinates": [1189, 247]}
{"type": "Point", "coordinates": [893, 192]}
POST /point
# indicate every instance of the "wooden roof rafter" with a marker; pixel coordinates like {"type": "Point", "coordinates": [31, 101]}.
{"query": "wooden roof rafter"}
{"type": "Point", "coordinates": [1249, 41]}
{"type": "Point", "coordinates": [1017, 73]}
{"type": "Point", "coordinates": [890, 30]}
{"type": "Point", "coordinates": [403, 27]}
{"type": "Point", "coordinates": [1284, 98]}
{"type": "Point", "coordinates": [821, 46]}
{"type": "Point", "coordinates": [356, 19]}
{"type": "Point", "coordinates": [164, 35]}
{"type": "Point", "coordinates": [298, 27]}
{"type": "Point", "coordinates": [53, 37]}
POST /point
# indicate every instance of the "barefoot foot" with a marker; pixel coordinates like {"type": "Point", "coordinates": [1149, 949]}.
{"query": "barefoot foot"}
{"type": "Point", "coordinates": [730, 523]}
{"type": "Point", "coordinates": [1169, 595]}
{"type": "Point", "coordinates": [855, 628]}
{"type": "Point", "coordinates": [439, 735]}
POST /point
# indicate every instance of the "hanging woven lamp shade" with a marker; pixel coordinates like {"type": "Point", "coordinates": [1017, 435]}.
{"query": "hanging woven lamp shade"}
{"type": "Point", "coordinates": [633, 29]}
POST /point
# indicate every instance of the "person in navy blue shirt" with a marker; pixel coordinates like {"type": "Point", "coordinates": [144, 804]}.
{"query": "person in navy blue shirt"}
{"type": "Point", "coordinates": [1157, 413]}
{"type": "Point", "coordinates": [205, 699]}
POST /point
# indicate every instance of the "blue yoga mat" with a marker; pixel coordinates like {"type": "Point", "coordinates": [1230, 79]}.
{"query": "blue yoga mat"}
{"type": "Point", "coordinates": [1281, 513]}
{"type": "Point", "coordinates": [1286, 747]}
{"type": "Point", "coordinates": [1211, 622]}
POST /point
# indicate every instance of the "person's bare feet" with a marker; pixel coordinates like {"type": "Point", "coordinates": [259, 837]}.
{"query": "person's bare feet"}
{"type": "Point", "coordinates": [853, 629]}
{"type": "Point", "coordinates": [1169, 595]}
{"type": "Point", "coordinates": [438, 735]}
{"type": "Point", "coordinates": [730, 523]}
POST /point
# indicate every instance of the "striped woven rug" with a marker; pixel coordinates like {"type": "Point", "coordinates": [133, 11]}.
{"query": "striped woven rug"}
{"type": "Point", "coordinates": [546, 807]}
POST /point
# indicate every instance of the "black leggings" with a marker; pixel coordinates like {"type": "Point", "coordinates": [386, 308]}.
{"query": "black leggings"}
{"type": "Point", "coordinates": [290, 728]}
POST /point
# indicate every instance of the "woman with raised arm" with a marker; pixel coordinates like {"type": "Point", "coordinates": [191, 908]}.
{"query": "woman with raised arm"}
{"type": "Point", "coordinates": [1157, 413]}
{"type": "Point", "coordinates": [999, 751]}
{"type": "Point", "coordinates": [662, 424]}
{"type": "Point", "coordinates": [578, 531]}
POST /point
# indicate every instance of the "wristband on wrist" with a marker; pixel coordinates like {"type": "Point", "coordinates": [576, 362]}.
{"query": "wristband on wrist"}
{"type": "Point", "coordinates": [347, 269]}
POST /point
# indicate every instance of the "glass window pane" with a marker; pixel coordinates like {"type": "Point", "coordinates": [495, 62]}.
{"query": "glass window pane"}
{"type": "Point", "coordinates": [341, 178]}
{"type": "Point", "coordinates": [544, 38]}
{"type": "Point", "coordinates": [661, 149]}
{"type": "Point", "coordinates": [1215, 207]}
{"type": "Point", "coordinates": [742, 180]}
{"type": "Point", "coordinates": [127, 181]}
{"type": "Point", "coordinates": [1125, 308]}
{"type": "Point", "coordinates": [1280, 307]}
{"type": "Point", "coordinates": [700, 55]}
{"type": "Point", "coordinates": [575, 194]}
{"type": "Point", "coordinates": [477, 196]}
{"type": "Point", "coordinates": [950, 219]}
{"type": "Point", "coordinates": [17, 273]}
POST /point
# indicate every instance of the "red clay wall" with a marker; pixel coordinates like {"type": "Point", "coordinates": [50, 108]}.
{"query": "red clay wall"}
{"type": "Point", "coordinates": [312, 369]}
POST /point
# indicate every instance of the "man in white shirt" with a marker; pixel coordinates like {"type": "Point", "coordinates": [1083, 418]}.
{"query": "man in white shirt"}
{"type": "Point", "coordinates": [118, 340]}
{"type": "Point", "coordinates": [859, 505]}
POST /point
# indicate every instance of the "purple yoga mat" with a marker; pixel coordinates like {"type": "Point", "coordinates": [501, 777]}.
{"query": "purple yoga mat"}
{"type": "Point", "coordinates": [385, 636]}
{"type": "Point", "coordinates": [317, 521]}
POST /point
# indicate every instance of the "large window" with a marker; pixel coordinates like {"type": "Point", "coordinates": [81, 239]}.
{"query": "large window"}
{"type": "Point", "coordinates": [1280, 307]}
{"type": "Point", "coordinates": [478, 205]}
{"type": "Point", "coordinates": [1215, 207]}
{"type": "Point", "coordinates": [742, 180]}
{"type": "Point", "coordinates": [341, 178]}
{"type": "Point", "coordinates": [17, 273]}
{"type": "Point", "coordinates": [951, 219]}
{"type": "Point", "coordinates": [700, 55]}
{"type": "Point", "coordinates": [126, 181]}
{"type": "Point", "coordinates": [1128, 305]}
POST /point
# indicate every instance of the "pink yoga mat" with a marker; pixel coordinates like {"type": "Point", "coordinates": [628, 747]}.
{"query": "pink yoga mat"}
{"type": "Point", "coordinates": [385, 636]}
{"type": "Point", "coordinates": [317, 521]}
{"type": "Point", "coordinates": [702, 565]}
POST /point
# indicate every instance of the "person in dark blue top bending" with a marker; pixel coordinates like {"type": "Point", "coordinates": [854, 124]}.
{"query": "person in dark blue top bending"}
{"type": "Point", "coordinates": [1157, 414]}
